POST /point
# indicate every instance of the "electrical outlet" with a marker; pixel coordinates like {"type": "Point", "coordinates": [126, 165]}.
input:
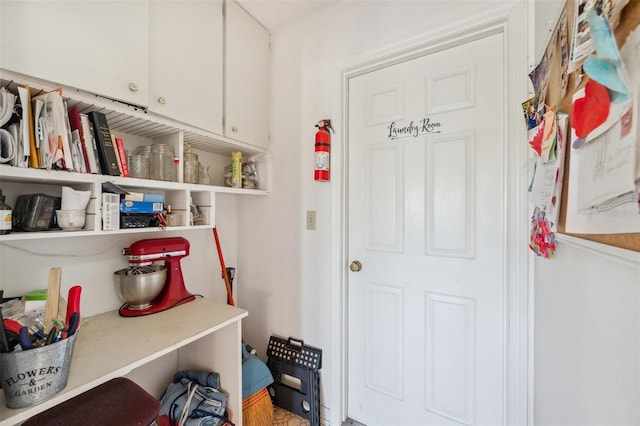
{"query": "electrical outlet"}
{"type": "Point", "coordinates": [311, 219]}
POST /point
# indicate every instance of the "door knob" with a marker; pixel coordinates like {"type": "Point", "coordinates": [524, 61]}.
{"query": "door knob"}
{"type": "Point", "coordinates": [355, 266]}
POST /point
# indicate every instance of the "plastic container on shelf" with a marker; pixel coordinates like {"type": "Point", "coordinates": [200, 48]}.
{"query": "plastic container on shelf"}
{"type": "Point", "coordinates": [236, 169]}
{"type": "Point", "coordinates": [35, 212]}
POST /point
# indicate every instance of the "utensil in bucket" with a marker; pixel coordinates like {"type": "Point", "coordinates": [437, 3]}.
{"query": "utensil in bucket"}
{"type": "Point", "coordinates": [35, 375]}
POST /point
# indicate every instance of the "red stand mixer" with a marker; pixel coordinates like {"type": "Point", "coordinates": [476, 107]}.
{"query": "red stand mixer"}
{"type": "Point", "coordinates": [143, 253]}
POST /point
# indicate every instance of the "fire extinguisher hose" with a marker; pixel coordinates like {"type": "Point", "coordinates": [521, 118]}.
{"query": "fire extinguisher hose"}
{"type": "Point", "coordinates": [224, 268]}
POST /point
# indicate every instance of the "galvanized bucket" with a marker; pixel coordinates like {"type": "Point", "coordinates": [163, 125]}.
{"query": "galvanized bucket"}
{"type": "Point", "coordinates": [35, 375]}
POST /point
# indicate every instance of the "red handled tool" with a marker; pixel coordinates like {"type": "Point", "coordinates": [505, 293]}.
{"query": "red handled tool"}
{"type": "Point", "coordinates": [72, 325]}
{"type": "Point", "coordinates": [73, 302]}
{"type": "Point", "coordinates": [72, 319]}
{"type": "Point", "coordinates": [224, 269]}
{"type": "Point", "coordinates": [25, 338]}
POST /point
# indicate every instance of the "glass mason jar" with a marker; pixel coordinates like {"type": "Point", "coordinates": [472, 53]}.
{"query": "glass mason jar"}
{"type": "Point", "coordinates": [203, 175]}
{"type": "Point", "coordinates": [139, 166]}
{"type": "Point", "coordinates": [161, 162]}
{"type": "Point", "coordinates": [191, 171]}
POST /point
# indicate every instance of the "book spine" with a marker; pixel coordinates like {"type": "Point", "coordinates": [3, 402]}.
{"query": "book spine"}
{"type": "Point", "coordinates": [115, 147]}
{"type": "Point", "coordinates": [106, 151]}
{"type": "Point", "coordinates": [76, 126]}
{"type": "Point", "coordinates": [34, 155]}
{"type": "Point", "coordinates": [76, 150]}
{"type": "Point", "coordinates": [123, 157]}
{"type": "Point", "coordinates": [61, 128]}
{"type": "Point", "coordinates": [90, 145]}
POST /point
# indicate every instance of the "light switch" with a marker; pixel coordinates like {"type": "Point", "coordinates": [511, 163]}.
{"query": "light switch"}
{"type": "Point", "coordinates": [311, 219]}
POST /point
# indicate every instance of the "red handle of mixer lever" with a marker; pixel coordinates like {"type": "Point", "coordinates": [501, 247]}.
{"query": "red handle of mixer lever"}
{"type": "Point", "coordinates": [224, 268]}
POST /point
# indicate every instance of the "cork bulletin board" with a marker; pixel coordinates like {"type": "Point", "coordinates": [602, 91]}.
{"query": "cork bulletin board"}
{"type": "Point", "coordinates": [629, 21]}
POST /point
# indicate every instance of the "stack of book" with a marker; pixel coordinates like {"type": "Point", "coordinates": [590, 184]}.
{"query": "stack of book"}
{"type": "Point", "coordinates": [102, 152]}
{"type": "Point", "coordinates": [51, 135]}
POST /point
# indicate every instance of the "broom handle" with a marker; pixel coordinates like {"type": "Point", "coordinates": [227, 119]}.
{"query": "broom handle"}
{"type": "Point", "coordinates": [224, 268]}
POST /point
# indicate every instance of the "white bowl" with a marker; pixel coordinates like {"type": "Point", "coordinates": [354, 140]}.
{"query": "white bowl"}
{"type": "Point", "coordinates": [71, 220]}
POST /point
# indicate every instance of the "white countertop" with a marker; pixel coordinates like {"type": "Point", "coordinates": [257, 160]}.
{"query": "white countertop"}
{"type": "Point", "coordinates": [109, 346]}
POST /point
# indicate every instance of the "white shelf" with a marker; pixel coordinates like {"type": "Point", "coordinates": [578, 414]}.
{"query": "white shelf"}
{"type": "Point", "coordinates": [38, 179]}
{"type": "Point", "coordinates": [21, 236]}
{"type": "Point", "coordinates": [133, 120]}
{"type": "Point", "coordinates": [206, 334]}
{"type": "Point", "coordinates": [18, 174]}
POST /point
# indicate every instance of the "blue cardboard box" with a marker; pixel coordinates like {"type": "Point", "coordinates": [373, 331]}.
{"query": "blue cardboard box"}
{"type": "Point", "coordinates": [128, 206]}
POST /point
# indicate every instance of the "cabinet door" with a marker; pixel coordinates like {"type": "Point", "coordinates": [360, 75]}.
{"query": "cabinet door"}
{"type": "Point", "coordinates": [185, 73]}
{"type": "Point", "coordinates": [97, 46]}
{"type": "Point", "coordinates": [247, 77]}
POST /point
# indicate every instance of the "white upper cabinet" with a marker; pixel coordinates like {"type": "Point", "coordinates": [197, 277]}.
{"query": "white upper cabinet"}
{"type": "Point", "coordinates": [185, 68]}
{"type": "Point", "coordinates": [184, 60]}
{"type": "Point", "coordinates": [247, 77]}
{"type": "Point", "coordinates": [98, 46]}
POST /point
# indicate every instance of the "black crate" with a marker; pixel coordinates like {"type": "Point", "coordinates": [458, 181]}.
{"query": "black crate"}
{"type": "Point", "coordinates": [136, 220]}
{"type": "Point", "coordinates": [296, 385]}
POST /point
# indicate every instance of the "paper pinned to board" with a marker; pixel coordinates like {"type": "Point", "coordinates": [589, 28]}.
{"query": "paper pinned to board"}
{"type": "Point", "coordinates": [603, 196]}
{"type": "Point", "coordinates": [606, 167]}
{"type": "Point", "coordinates": [606, 66]}
{"type": "Point", "coordinates": [589, 111]}
{"type": "Point", "coordinates": [581, 41]}
{"type": "Point", "coordinates": [546, 187]}
{"type": "Point", "coordinates": [541, 239]}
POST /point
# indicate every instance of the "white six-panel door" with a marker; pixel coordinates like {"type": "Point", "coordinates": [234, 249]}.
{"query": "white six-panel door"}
{"type": "Point", "coordinates": [426, 208]}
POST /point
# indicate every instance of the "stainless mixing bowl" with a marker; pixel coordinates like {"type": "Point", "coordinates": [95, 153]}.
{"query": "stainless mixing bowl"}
{"type": "Point", "coordinates": [138, 286]}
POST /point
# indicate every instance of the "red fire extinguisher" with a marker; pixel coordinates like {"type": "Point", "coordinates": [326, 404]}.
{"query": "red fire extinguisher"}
{"type": "Point", "coordinates": [323, 150]}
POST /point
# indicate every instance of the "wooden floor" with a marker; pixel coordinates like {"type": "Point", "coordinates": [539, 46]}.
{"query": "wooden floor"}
{"type": "Point", "coordinates": [282, 417]}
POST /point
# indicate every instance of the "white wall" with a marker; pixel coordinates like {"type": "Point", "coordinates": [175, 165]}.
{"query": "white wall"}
{"type": "Point", "coordinates": [587, 340]}
{"type": "Point", "coordinates": [289, 274]}
{"type": "Point", "coordinates": [90, 262]}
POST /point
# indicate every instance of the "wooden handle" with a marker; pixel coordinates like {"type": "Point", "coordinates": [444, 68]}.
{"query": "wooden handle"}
{"type": "Point", "coordinates": [224, 269]}
{"type": "Point", "coordinates": [53, 297]}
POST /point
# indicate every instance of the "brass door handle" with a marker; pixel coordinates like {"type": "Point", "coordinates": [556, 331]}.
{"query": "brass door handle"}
{"type": "Point", "coordinates": [355, 266]}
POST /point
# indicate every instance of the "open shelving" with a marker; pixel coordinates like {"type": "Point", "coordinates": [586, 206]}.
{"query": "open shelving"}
{"type": "Point", "coordinates": [144, 125]}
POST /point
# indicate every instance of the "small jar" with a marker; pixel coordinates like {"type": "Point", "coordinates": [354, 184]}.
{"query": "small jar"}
{"type": "Point", "coordinates": [191, 171]}
{"type": "Point", "coordinates": [203, 175]}
{"type": "Point", "coordinates": [5, 216]}
{"type": "Point", "coordinates": [139, 166]}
